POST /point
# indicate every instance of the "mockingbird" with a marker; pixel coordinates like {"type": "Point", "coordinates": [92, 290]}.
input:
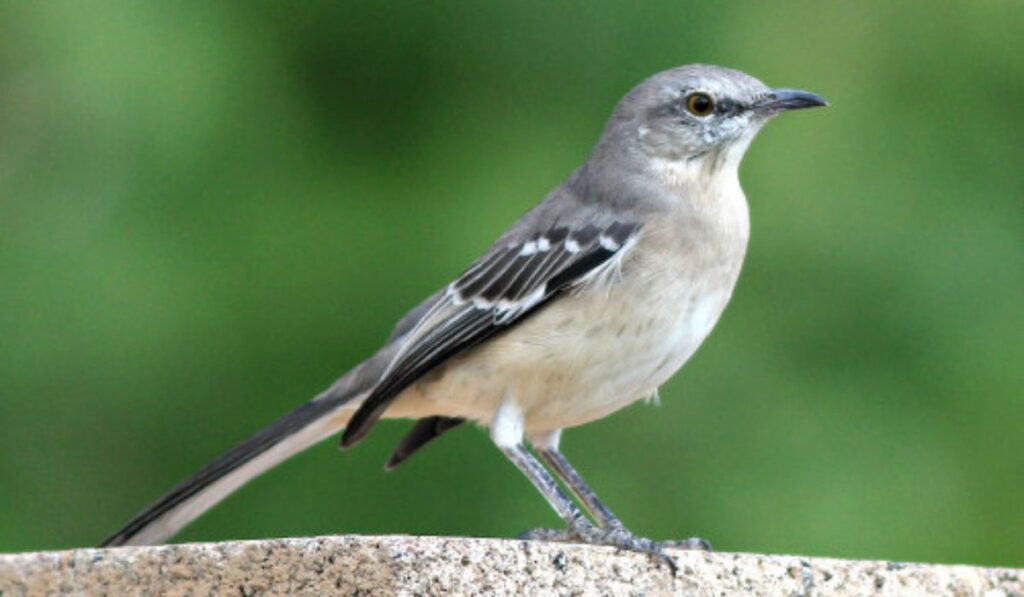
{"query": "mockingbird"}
{"type": "Point", "coordinates": [587, 304]}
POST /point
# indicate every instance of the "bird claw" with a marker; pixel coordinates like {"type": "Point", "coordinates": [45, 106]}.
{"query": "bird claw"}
{"type": "Point", "coordinates": [618, 537]}
{"type": "Point", "coordinates": [625, 540]}
{"type": "Point", "coordinates": [691, 544]}
{"type": "Point", "coordinates": [549, 535]}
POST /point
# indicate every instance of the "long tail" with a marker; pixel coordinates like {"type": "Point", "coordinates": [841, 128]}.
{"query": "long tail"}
{"type": "Point", "coordinates": [301, 428]}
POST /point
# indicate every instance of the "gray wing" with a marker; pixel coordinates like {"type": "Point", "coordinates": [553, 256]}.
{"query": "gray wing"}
{"type": "Point", "coordinates": [511, 281]}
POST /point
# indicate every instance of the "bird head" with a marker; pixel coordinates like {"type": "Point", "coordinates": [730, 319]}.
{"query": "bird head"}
{"type": "Point", "coordinates": [698, 116]}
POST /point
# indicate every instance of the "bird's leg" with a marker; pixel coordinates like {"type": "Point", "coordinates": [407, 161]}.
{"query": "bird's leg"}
{"type": "Point", "coordinates": [605, 518]}
{"type": "Point", "coordinates": [572, 479]}
{"type": "Point", "coordinates": [580, 528]}
{"type": "Point", "coordinates": [547, 486]}
{"type": "Point", "coordinates": [547, 449]}
{"type": "Point", "coordinates": [611, 531]}
{"type": "Point", "coordinates": [507, 433]}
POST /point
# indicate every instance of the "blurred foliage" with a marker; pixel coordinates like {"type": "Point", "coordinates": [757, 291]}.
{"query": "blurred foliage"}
{"type": "Point", "coordinates": [209, 211]}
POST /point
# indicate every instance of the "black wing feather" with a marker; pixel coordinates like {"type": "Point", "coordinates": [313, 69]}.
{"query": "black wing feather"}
{"type": "Point", "coordinates": [486, 277]}
{"type": "Point", "coordinates": [498, 291]}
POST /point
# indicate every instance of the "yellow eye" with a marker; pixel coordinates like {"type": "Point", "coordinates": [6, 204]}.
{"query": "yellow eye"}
{"type": "Point", "coordinates": [700, 104]}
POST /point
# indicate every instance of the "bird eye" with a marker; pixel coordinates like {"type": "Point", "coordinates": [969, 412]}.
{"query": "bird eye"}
{"type": "Point", "coordinates": [700, 104]}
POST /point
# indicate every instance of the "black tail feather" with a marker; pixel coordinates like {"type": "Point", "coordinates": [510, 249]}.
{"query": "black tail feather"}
{"type": "Point", "coordinates": [231, 460]}
{"type": "Point", "coordinates": [423, 432]}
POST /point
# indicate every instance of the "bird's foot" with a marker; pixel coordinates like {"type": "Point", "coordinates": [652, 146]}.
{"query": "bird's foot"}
{"type": "Point", "coordinates": [623, 539]}
{"type": "Point", "coordinates": [565, 535]}
{"type": "Point", "coordinates": [617, 536]}
{"type": "Point", "coordinates": [691, 544]}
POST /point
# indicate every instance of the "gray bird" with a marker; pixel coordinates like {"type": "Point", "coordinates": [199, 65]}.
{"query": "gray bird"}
{"type": "Point", "coordinates": [588, 303]}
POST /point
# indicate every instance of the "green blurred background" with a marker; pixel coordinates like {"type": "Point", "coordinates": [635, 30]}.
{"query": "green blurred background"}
{"type": "Point", "coordinates": [209, 211]}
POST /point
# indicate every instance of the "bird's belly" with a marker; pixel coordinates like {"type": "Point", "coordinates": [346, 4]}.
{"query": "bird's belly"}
{"type": "Point", "coordinates": [578, 360]}
{"type": "Point", "coordinates": [610, 353]}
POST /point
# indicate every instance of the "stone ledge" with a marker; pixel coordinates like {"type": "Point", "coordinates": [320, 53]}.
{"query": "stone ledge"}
{"type": "Point", "coordinates": [355, 565]}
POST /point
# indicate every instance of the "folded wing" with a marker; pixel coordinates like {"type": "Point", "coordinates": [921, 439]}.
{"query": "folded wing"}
{"type": "Point", "coordinates": [501, 289]}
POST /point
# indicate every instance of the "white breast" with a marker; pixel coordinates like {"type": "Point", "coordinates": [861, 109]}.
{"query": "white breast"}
{"type": "Point", "coordinates": [600, 349]}
{"type": "Point", "coordinates": [610, 344]}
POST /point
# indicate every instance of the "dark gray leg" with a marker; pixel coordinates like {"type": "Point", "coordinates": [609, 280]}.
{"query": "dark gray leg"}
{"type": "Point", "coordinates": [579, 527]}
{"type": "Point", "coordinates": [604, 517]}
{"type": "Point", "coordinates": [547, 486]}
{"type": "Point", "coordinates": [565, 471]}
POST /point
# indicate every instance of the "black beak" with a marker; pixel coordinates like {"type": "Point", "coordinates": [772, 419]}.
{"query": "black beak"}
{"type": "Point", "coordinates": [782, 100]}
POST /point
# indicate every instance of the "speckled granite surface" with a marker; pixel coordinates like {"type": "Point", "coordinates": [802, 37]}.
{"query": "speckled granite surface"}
{"type": "Point", "coordinates": [399, 565]}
